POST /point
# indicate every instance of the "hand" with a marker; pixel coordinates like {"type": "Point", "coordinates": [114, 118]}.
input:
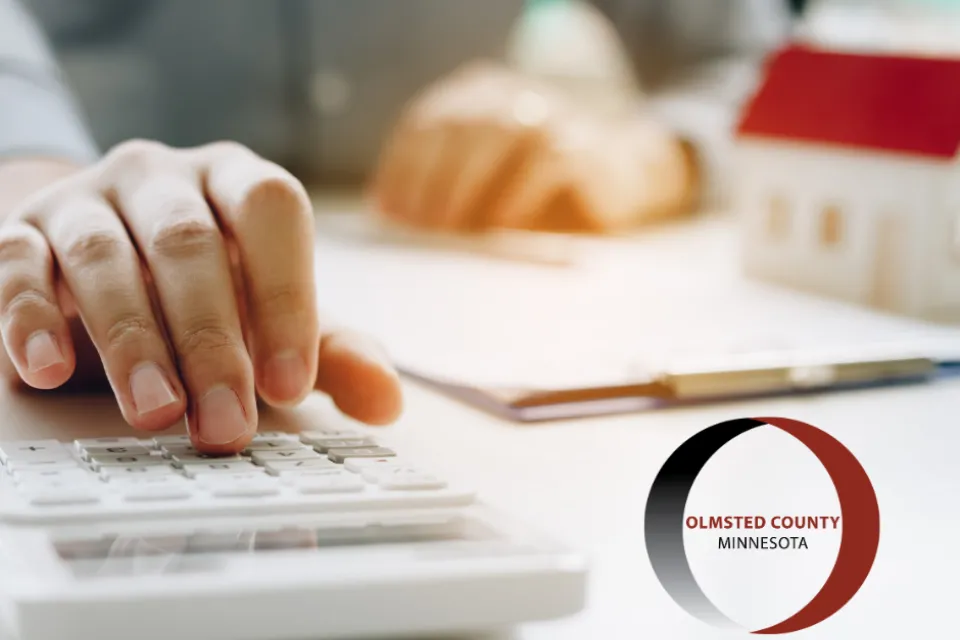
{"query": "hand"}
{"type": "Point", "coordinates": [489, 148]}
{"type": "Point", "coordinates": [193, 274]}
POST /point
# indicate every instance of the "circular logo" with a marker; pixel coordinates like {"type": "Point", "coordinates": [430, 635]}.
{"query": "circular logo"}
{"type": "Point", "coordinates": [859, 513]}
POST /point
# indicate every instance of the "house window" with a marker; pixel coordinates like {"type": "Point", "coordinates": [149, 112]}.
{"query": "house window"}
{"type": "Point", "coordinates": [778, 218]}
{"type": "Point", "coordinates": [831, 226]}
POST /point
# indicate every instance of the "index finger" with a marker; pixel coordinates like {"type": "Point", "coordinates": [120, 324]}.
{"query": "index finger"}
{"type": "Point", "coordinates": [267, 214]}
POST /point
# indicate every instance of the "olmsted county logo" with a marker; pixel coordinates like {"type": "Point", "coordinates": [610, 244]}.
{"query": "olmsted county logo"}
{"type": "Point", "coordinates": [859, 519]}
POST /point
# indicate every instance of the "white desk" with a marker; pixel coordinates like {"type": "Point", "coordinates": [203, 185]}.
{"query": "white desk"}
{"type": "Point", "coordinates": [586, 481]}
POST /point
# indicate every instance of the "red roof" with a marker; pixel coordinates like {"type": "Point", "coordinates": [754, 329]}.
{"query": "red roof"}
{"type": "Point", "coordinates": [880, 102]}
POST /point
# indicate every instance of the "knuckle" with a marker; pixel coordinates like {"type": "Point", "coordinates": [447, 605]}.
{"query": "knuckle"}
{"type": "Point", "coordinates": [127, 328]}
{"type": "Point", "coordinates": [20, 297]}
{"type": "Point", "coordinates": [96, 247]}
{"type": "Point", "coordinates": [206, 335]}
{"type": "Point", "coordinates": [187, 236]}
{"type": "Point", "coordinates": [135, 152]}
{"type": "Point", "coordinates": [17, 246]}
{"type": "Point", "coordinates": [226, 148]}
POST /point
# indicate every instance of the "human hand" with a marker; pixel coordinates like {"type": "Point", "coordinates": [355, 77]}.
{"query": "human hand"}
{"type": "Point", "coordinates": [192, 272]}
{"type": "Point", "coordinates": [489, 148]}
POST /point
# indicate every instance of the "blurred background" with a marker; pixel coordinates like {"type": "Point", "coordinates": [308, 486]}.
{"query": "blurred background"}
{"type": "Point", "coordinates": [313, 84]}
{"type": "Point", "coordinates": [318, 84]}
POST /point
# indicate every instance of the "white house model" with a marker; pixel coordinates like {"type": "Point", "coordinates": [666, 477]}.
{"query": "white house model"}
{"type": "Point", "coordinates": [849, 181]}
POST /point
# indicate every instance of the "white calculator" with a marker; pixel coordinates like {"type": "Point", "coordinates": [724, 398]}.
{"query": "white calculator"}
{"type": "Point", "coordinates": [323, 534]}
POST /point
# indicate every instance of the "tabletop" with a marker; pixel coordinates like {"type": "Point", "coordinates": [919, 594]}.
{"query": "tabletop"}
{"type": "Point", "coordinates": [586, 482]}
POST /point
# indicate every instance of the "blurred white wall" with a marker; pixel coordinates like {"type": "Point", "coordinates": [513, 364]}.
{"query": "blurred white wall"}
{"type": "Point", "coordinates": [906, 26]}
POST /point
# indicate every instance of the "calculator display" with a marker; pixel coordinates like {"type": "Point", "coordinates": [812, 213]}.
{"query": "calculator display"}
{"type": "Point", "coordinates": [204, 551]}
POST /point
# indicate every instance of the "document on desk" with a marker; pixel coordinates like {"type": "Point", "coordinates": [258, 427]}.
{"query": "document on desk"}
{"type": "Point", "coordinates": [636, 323]}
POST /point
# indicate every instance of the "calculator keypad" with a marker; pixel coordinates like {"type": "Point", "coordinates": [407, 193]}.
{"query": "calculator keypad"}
{"type": "Point", "coordinates": [102, 477]}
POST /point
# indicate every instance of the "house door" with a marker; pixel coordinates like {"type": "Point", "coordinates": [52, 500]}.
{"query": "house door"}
{"type": "Point", "coordinates": [888, 264]}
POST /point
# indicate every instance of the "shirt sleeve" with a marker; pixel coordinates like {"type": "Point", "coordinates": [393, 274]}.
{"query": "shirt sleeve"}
{"type": "Point", "coordinates": [38, 116]}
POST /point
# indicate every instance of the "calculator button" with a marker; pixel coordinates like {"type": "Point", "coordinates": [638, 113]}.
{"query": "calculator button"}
{"type": "Point", "coordinates": [136, 492]}
{"type": "Point", "coordinates": [170, 450]}
{"type": "Point", "coordinates": [33, 450]}
{"type": "Point", "coordinates": [323, 445]}
{"type": "Point", "coordinates": [112, 450]}
{"type": "Point", "coordinates": [262, 457]}
{"type": "Point", "coordinates": [56, 484]}
{"type": "Point", "coordinates": [165, 441]}
{"type": "Point", "coordinates": [56, 496]}
{"type": "Point", "coordinates": [219, 479]}
{"type": "Point", "coordinates": [84, 443]}
{"type": "Point", "coordinates": [110, 460]}
{"type": "Point", "coordinates": [193, 470]}
{"type": "Point", "coordinates": [66, 475]}
{"type": "Point", "coordinates": [274, 444]}
{"type": "Point", "coordinates": [344, 482]}
{"type": "Point", "coordinates": [258, 487]}
{"type": "Point", "coordinates": [26, 465]}
{"type": "Point", "coordinates": [182, 459]}
{"type": "Point", "coordinates": [404, 479]}
{"type": "Point", "coordinates": [274, 435]}
{"type": "Point", "coordinates": [339, 455]}
{"type": "Point", "coordinates": [279, 467]}
{"type": "Point", "coordinates": [309, 437]}
{"type": "Point", "coordinates": [163, 479]}
{"type": "Point", "coordinates": [108, 473]}
{"type": "Point", "coordinates": [358, 465]}
{"type": "Point", "coordinates": [291, 477]}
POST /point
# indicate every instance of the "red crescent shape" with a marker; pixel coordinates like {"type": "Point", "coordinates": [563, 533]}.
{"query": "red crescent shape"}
{"type": "Point", "coordinates": [861, 526]}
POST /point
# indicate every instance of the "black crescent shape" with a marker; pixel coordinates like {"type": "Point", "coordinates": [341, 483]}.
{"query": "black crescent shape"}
{"type": "Point", "coordinates": [663, 524]}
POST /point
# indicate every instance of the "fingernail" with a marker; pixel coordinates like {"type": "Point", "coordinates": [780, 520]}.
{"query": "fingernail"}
{"type": "Point", "coordinates": [221, 417]}
{"type": "Point", "coordinates": [286, 375]}
{"type": "Point", "coordinates": [43, 351]}
{"type": "Point", "coordinates": [150, 388]}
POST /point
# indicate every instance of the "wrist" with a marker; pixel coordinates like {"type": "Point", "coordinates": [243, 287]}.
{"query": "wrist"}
{"type": "Point", "coordinates": [22, 177]}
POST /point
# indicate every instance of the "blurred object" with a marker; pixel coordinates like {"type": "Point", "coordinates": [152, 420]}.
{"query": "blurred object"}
{"type": "Point", "coordinates": [547, 249]}
{"type": "Point", "coordinates": [572, 46]}
{"type": "Point", "coordinates": [736, 377]}
{"type": "Point", "coordinates": [665, 300]}
{"type": "Point", "coordinates": [312, 84]}
{"type": "Point", "coordinates": [489, 148]}
{"type": "Point", "coordinates": [903, 26]}
{"type": "Point", "coordinates": [848, 182]}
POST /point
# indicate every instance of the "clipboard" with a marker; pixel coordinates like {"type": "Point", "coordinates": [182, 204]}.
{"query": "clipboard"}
{"type": "Point", "coordinates": [530, 342]}
{"type": "Point", "coordinates": [739, 378]}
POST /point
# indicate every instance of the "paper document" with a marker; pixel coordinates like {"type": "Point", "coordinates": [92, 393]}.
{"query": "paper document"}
{"type": "Point", "coordinates": [628, 308]}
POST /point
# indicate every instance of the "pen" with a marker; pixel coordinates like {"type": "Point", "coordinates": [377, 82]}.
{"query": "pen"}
{"type": "Point", "coordinates": [746, 379]}
{"type": "Point", "coordinates": [753, 375]}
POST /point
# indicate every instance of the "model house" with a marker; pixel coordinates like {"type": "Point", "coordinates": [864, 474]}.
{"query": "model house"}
{"type": "Point", "coordinates": [849, 182]}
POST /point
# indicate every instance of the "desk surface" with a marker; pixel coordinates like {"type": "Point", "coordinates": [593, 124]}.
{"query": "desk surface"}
{"type": "Point", "coordinates": [586, 482]}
